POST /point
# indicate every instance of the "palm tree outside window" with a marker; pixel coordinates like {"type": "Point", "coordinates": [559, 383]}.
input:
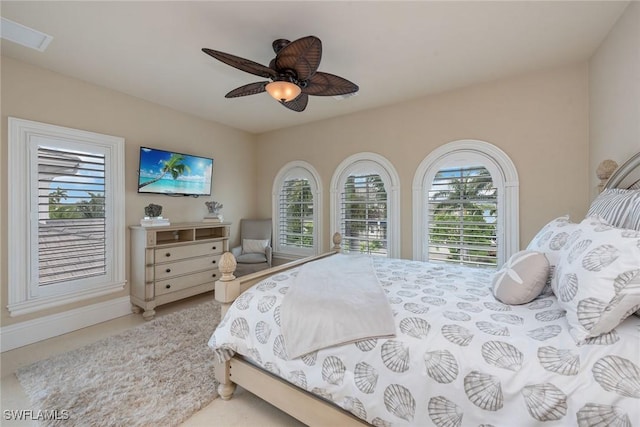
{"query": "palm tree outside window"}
{"type": "Point", "coordinates": [365, 205]}
{"type": "Point", "coordinates": [364, 215]}
{"type": "Point", "coordinates": [296, 214]}
{"type": "Point", "coordinates": [462, 209]}
{"type": "Point", "coordinates": [296, 203]}
{"type": "Point", "coordinates": [465, 205]}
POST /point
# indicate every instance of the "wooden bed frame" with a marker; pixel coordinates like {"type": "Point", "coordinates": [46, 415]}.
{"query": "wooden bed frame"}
{"type": "Point", "coordinates": [627, 175]}
{"type": "Point", "coordinates": [299, 403]}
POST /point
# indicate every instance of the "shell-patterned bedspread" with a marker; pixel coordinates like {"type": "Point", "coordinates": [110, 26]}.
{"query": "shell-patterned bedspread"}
{"type": "Point", "coordinates": [459, 358]}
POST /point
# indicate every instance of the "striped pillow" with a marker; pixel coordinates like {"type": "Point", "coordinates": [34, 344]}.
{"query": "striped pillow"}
{"type": "Point", "coordinates": [633, 219]}
{"type": "Point", "coordinates": [613, 206]}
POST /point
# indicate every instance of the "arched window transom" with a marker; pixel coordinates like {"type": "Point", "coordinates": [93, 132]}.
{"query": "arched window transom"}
{"type": "Point", "coordinates": [365, 205]}
{"type": "Point", "coordinates": [296, 204]}
{"type": "Point", "coordinates": [465, 205]}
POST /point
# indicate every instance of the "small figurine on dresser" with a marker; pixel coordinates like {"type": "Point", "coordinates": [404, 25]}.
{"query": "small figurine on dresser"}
{"type": "Point", "coordinates": [152, 216]}
{"type": "Point", "coordinates": [213, 209]}
{"type": "Point", "coordinates": [152, 211]}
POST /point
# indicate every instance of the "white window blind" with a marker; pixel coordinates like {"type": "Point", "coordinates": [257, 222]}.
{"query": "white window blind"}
{"type": "Point", "coordinates": [296, 214]}
{"type": "Point", "coordinates": [462, 216]}
{"type": "Point", "coordinates": [363, 215]}
{"type": "Point", "coordinates": [71, 215]}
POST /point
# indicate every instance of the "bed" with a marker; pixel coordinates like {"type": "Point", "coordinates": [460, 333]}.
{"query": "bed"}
{"type": "Point", "coordinates": [459, 356]}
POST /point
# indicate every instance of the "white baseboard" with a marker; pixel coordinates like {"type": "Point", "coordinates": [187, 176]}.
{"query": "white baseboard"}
{"type": "Point", "coordinates": [30, 331]}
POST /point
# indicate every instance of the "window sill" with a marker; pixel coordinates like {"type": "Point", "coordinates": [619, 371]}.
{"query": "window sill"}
{"type": "Point", "coordinates": [33, 305]}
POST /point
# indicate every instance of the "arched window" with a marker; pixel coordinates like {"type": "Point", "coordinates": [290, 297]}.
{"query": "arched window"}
{"type": "Point", "coordinates": [465, 199]}
{"type": "Point", "coordinates": [296, 206]}
{"type": "Point", "coordinates": [365, 206]}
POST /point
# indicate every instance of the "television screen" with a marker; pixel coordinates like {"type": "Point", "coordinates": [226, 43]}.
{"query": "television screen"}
{"type": "Point", "coordinates": [167, 172]}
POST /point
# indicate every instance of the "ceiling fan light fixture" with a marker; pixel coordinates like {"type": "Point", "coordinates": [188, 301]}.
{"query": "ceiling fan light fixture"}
{"type": "Point", "coordinates": [283, 91]}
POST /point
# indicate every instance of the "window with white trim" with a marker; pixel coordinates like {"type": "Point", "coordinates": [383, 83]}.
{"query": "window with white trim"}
{"type": "Point", "coordinates": [296, 205]}
{"type": "Point", "coordinates": [66, 193]}
{"type": "Point", "coordinates": [366, 206]}
{"type": "Point", "coordinates": [465, 202]}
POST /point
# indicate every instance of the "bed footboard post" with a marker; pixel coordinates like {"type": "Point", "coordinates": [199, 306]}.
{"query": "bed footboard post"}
{"type": "Point", "coordinates": [228, 287]}
{"type": "Point", "coordinates": [337, 240]}
{"type": "Point", "coordinates": [226, 386]}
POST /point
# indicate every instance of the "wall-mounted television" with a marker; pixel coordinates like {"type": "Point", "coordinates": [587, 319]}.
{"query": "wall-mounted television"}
{"type": "Point", "coordinates": [173, 173]}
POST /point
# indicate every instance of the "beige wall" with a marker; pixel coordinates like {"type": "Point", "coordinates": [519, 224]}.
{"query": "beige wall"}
{"type": "Point", "coordinates": [36, 94]}
{"type": "Point", "coordinates": [540, 120]}
{"type": "Point", "coordinates": [614, 91]}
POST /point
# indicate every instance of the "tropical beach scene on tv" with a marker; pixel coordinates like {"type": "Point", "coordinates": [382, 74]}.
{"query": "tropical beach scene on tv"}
{"type": "Point", "coordinates": [167, 172]}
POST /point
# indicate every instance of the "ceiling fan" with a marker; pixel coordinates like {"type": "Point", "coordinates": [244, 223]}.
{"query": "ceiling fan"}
{"type": "Point", "coordinates": [293, 73]}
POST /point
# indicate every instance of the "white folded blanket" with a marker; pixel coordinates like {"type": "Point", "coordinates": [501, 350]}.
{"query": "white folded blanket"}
{"type": "Point", "coordinates": [335, 300]}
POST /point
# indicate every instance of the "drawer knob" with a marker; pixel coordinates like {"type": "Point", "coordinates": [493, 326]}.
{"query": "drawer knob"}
{"type": "Point", "coordinates": [214, 275]}
{"type": "Point", "coordinates": [168, 254]}
{"type": "Point", "coordinates": [214, 248]}
{"type": "Point", "coordinates": [168, 270]}
{"type": "Point", "coordinates": [213, 262]}
{"type": "Point", "coordinates": [168, 286]}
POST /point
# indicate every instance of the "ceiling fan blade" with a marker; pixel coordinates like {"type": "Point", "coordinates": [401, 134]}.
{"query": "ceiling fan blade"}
{"type": "Point", "coordinates": [298, 104]}
{"type": "Point", "coordinates": [302, 55]}
{"type": "Point", "coordinates": [242, 64]}
{"type": "Point", "coordinates": [325, 84]}
{"type": "Point", "coordinates": [250, 89]}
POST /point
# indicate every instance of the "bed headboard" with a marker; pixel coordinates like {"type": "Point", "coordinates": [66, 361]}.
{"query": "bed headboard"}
{"type": "Point", "coordinates": [626, 176]}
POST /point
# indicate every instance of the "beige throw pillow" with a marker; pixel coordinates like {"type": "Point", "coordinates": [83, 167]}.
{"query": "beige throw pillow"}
{"type": "Point", "coordinates": [522, 278]}
{"type": "Point", "coordinates": [251, 246]}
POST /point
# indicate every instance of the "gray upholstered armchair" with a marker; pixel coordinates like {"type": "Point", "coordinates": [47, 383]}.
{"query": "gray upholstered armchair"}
{"type": "Point", "coordinates": [255, 251]}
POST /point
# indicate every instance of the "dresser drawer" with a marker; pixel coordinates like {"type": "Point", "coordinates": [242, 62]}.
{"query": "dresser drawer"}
{"type": "Point", "coordinates": [183, 282]}
{"type": "Point", "coordinates": [178, 268]}
{"type": "Point", "coordinates": [187, 251]}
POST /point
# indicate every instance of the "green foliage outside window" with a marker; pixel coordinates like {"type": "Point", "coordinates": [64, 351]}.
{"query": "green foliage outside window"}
{"type": "Point", "coordinates": [365, 214]}
{"type": "Point", "coordinates": [460, 212]}
{"type": "Point", "coordinates": [298, 206]}
{"type": "Point", "coordinates": [91, 208]}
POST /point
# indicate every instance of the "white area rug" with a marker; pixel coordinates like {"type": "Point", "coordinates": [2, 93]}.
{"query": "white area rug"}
{"type": "Point", "coordinates": [156, 374]}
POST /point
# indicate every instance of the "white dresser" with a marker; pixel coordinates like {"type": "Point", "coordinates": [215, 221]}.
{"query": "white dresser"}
{"type": "Point", "coordinates": [169, 263]}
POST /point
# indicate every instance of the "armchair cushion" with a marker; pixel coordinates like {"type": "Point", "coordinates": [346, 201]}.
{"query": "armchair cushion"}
{"type": "Point", "coordinates": [252, 258]}
{"type": "Point", "coordinates": [251, 246]}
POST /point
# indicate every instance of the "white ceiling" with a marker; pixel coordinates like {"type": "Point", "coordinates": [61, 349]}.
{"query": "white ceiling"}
{"type": "Point", "coordinates": [394, 50]}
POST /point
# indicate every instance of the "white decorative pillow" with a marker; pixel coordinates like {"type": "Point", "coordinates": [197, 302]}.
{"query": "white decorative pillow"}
{"type": "Point", "coordinates": [613, 205]}
{"type": "Point", "coordinates": [552, 239]}
{"type": "Point", "coordinates": [250, 246]}
{"type": "Point", "coordinates": [597, 280]}
{"type": "Point", "coordinates": [522, 278]}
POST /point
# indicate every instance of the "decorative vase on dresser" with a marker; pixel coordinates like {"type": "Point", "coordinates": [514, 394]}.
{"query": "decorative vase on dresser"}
{"type": "Point", "coordinates": [169, 263]}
